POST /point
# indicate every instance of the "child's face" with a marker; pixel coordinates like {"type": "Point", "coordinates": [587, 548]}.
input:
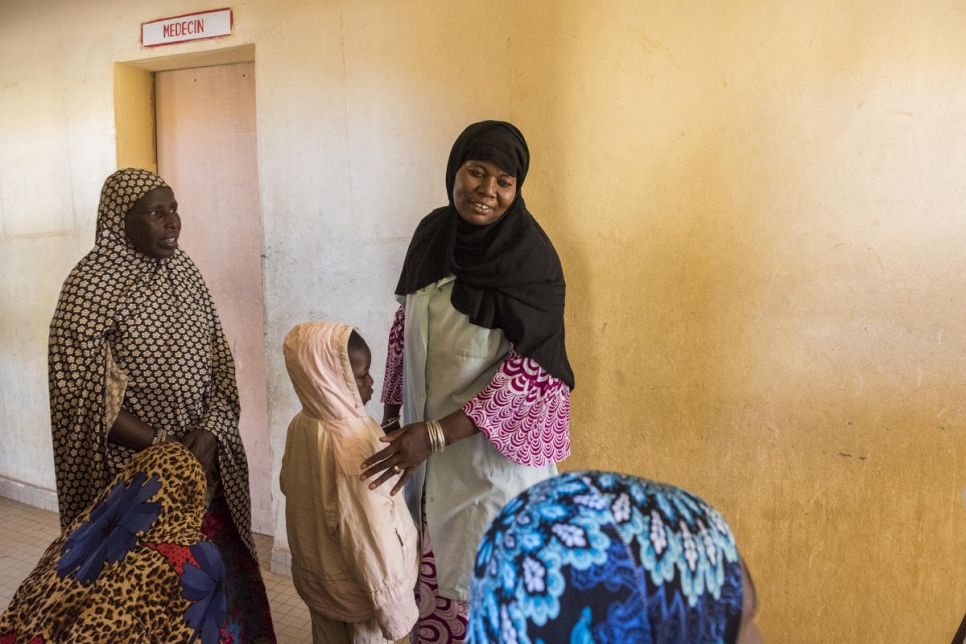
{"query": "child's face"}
{"type": "Point", "coordinates": [361, 359]}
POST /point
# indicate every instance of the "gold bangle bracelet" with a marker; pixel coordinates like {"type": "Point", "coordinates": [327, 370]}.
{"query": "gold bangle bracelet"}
{"type": "Point", "coordinates": [437, 439]}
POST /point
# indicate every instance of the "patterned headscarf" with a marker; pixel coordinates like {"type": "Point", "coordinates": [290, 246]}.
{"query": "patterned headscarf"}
{"type": "Point", "coordinates": [594, 557]}
{"type": "Point", "coordinates": [141, 333]}
{"type": "Point", "coordinates": [118, 195]}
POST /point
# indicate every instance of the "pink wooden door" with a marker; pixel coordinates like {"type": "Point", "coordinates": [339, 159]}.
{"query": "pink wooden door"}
{"type": "Point", "coordinates": [207, 153]}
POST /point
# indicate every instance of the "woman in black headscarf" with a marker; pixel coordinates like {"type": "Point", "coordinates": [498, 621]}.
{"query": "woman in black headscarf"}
{"type": "Point", "coordinates": [478, 364]}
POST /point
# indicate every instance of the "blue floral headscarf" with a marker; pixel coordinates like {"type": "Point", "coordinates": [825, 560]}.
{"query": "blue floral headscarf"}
{"type": "Point", "coordinates": [595, 557]}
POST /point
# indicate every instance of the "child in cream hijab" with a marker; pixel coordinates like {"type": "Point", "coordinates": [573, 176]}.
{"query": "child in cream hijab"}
{"type": "Point", "coordinates": [354, 550]}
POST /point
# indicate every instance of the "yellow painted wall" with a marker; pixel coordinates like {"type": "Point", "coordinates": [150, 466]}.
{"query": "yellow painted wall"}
{"type": "Point", "coordinates": [134, 118]}
{"type": "Point", "coordinates": [758, 207]}
{"type": "Point", "coordinates": [763, 204]}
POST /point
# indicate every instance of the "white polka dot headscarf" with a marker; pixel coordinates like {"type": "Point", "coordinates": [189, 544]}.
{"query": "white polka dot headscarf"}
{"type": "Point", "coordinates": [121, 190]}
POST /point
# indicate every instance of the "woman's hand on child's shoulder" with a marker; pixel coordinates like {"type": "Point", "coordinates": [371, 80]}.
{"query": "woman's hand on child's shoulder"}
{"type": "Point", "coordinates": [408, 448]}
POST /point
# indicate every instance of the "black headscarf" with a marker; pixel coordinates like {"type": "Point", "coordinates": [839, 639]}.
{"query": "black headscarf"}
{"type": "Point", "coordinates": [508, 275]}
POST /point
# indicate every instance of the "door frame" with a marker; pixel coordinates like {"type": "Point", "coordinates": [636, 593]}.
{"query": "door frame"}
{"type": "Point", "coordinates": [134, 123]}
{"type": "Point", "coordinates": [135, 126]}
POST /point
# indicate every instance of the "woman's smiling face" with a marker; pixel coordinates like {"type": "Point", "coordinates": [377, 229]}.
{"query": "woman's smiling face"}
{"type": "Point", "coordinates": [482, 192]}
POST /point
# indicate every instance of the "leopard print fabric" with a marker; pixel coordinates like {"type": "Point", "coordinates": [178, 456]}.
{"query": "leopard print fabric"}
{"type": "Point", "coordinates": [133, 567]}
{"type": "Point", "coordinates": [151, 325]}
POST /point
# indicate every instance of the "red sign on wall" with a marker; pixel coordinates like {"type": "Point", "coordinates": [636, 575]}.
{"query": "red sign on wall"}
{"type": "Point", "coordinates": [193, 26]}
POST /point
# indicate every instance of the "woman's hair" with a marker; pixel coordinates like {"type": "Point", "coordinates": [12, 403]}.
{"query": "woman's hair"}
{"type": "Point", "coordinates": [606, 557]}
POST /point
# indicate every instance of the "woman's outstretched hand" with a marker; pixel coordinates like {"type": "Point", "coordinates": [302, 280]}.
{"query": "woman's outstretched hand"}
{"type": "Point", "coordinates": [408, 448]}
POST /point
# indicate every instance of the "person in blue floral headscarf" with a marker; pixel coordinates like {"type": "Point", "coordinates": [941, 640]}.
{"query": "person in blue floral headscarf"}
{"type": "Point", "coordinates": [600, 557]}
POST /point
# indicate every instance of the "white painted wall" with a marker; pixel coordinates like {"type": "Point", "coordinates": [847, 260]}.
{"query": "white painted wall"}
{"type": "Point", "coordinates": [334, 231]}
{"type": "Point", "coordinates": [351, 154]}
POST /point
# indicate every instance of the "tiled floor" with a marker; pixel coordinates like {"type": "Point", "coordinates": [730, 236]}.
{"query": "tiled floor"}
{"type": "Point", "coordinates": [26, 531]}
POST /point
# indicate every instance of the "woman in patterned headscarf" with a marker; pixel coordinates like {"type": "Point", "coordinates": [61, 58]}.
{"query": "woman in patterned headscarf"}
{"type": "Point", "coordinates": [136, 357]}
{"type": "Point", "coordinates": [478, 365]}
{"type": "Point", "coordinates": [599, 557]}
